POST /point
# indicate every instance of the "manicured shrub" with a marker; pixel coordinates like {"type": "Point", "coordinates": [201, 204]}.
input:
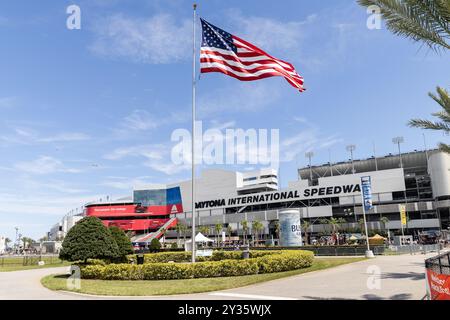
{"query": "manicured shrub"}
{"type": "Point", "coordinates": [89, 239]}
{"type": "Point", "coordinates": [270, 261]}
{"type": "Point", "coordinates": [122, 241]}
{"type": "Point", "coordinates": [288, 260]}
{"type": "Point", "coordinates": [155, 245]}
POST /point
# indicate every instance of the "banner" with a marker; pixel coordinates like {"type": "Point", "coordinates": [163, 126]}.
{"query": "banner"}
{"type": "Point", "coordinates": [438, 285]}
{"type": "Point", "coordinates": [403, 214]}
{"type": "Point", "coordinates": [366, 186]}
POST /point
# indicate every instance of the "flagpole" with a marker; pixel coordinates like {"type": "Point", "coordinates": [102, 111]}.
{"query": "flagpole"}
{"type": "Point", "coordinates": [193, 131]}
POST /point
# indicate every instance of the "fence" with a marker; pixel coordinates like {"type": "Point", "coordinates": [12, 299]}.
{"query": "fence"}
{"type": "Point", "coordinates": [28, 260]}
{"type": "Point", "coordinates": [439, 264]}
{"type": "Point", "coordinates": [415, 248]}
{"type": "Point", "coordinates": [438, 277]}
{"type": "Point", "coordinates": [331, 250]}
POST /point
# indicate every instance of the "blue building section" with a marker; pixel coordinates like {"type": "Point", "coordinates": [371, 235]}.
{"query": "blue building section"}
{"type": "Point", "coordinates": [159, 197]}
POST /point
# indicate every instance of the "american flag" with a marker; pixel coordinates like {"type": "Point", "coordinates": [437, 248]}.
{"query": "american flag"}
{"type": "Point", "coordinates": [228, 54]}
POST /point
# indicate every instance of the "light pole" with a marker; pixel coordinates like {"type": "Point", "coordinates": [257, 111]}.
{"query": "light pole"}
{"type": "Point", "coordinates": [351, 148]}
{"type": "Point", "coordinates": [309, 155]}
{"type": "Point", "coordinates": [398, 141]}
{"type": "Point", "coordinates": [16, 243]}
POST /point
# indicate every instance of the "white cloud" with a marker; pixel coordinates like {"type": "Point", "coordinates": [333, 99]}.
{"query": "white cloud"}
{"type": "Point", "coordinates": [308, 139]}
{"type": "Point", "coordinates": [156, 157]}
{"type": "Point", "coordinates": [238, 97]}
{"type": "Point", "coordinates": [8, 102]}
{"type": "Point", "coordinates": [65, 137]}
{"type": "Point", "coordinates": [140, 120]}
{"type": "Point", "coordinates": [43, 165]}
{"type": "Point", "coordinates": [126, 183]}
{"type": "Point", "coordinates": [42, 205]}
{"type": "Point", "coordinates": [28, 136]}
{"type": "Point", "coordinates": [270, 34]}
{"type": "Point", "coordinates": [161, 39]}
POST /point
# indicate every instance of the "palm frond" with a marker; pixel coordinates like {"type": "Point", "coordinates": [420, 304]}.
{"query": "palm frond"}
{"type": "Point", "coordinates": [424, 21]}
{"type": "Point", "coordinates": [442, 98]}
{"type": "Point", "coordinates": [429, 125]}
{"type": "Point", "coordinates": [444, 147]}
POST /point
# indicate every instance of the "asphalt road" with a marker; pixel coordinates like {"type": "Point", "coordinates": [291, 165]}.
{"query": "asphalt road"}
{"type": "Point", "coordinates": [385, 277]}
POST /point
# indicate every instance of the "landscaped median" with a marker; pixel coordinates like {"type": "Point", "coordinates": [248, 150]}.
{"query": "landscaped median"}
{"type": "Point", "coordinates": [183, 286]}
{"type": "Point", "coordinates": [171, 266]}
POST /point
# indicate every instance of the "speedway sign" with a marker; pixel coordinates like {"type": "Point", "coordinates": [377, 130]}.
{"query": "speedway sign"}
{"type": "Point", "coordinates": [281, 196]}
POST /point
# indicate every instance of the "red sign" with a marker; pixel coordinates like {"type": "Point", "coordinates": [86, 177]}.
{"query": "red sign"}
{"type": "Point", "coordinates": [439, 285]}
{"type": "Point", "coordinates": [132, 210]}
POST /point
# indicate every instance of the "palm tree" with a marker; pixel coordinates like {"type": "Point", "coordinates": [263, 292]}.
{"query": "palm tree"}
{"type": "Point", "coordinates": [27, 242]}
{"type": "Point", "coordinates": [204, 230]}
{"type": "Point", "coordinates": [163, 232]}
{"type": "Point", "coordinates": [384, 221]}
{"type": "Point", "coordinates": [361, 225]}
{"type": "Point", "coordinates": [178, 228]}
{"type": "Point", "coordinates": [245, 229]}
{"type": "Point", "coordinates": [277, 229]}
{"type": "Point", "coordinates": [229, 231]}
{"type": "Point", "coordinates": [425, 21]}
{"type": "Point", "coordinates": [218, 227]}
{"type": "Point", "coordinates": [7, 240]}
{"type": "Point", "coordinates": [257, 226]}
{"type": "Point", "coordinates": [306, 225]}
{"type": "Point", "coordinates": [443, 124]}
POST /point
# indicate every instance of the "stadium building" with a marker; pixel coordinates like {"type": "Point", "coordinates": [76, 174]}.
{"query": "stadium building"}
{"type": "Point", "coordinates": [418, 180]}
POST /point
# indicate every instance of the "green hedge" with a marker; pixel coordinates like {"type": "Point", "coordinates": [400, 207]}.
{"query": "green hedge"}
{"type": "Point", "coordinates": [267, 262]}
{"type": "Point", "coordinates": [218, 255]}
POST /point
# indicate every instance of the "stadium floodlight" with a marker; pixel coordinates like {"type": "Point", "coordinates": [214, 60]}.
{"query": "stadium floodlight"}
{"type": "Point", "coordinates": [309, 155]}
{"type": "Point", "coordinates": [398, 141]}
{"type": "Point", "coordinates": [350, 148]}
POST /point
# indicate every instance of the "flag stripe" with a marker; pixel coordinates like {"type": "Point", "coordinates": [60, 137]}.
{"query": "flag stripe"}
{"type": "Point", "coordinates": [245, 61]}
{"type": "Point", "coordinates": [247, 66]}
{"type": "Point", "coordinates": [247, 75]}
{"type": "Point", "coordinates": [249, 70]}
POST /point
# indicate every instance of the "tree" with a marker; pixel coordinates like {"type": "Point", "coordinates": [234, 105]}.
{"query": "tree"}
{"type": "Point", "coordinates": [257, 226]}
{"type": "Point", "coordinates": [229, 231]}
{"type": "Point", "coordinates": [218, 228]}
{"type": "Point", "coordinates": [163, 233]}
{"type": "Point", "coordinates": [44, 238]}
{"type": "Point", "coordinates": [204, 230]}
{"type": "Point", "coordinates": [306, 225]}
{"type": "Point", "coordinates": [443, 124]}
{"type": "Point", "coordinates": [7, 240]}
{"type": "Point", "coordinates": [277, 229]}
{"type": "Point", "coordinates": [27, 242]}
{"type": "Point", "coordinates": [178, 229]}
{"type": "Point", "coordinates": [384, 221]}
{"type": "Point", "coordinates": [89, 239]}
{"type": "Point", "coordinates": [425, 21]}
{"type": "Point", "coordinates": [155, 245]}
{"type": "Point", "coordinates": [123, 242]}
{"type": "Point", "coordinates": [245, 229]}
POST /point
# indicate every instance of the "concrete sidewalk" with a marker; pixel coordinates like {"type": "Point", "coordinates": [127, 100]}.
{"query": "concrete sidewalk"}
{"type": "Point", "coordinates": [384, 277]}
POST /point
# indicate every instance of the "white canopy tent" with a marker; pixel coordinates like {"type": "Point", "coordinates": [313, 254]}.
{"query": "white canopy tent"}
{"type": "Point", "coordinates": [199, 238]}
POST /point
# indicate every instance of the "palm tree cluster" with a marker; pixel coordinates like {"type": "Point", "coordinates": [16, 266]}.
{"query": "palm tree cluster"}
{"type": "Point", "coordinates": [257, 227]}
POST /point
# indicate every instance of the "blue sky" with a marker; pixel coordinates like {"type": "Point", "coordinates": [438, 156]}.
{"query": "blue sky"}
{"type": "Point", "coordinates": [89, 113]}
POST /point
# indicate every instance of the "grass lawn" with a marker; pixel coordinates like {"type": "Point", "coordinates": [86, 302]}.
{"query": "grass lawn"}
{"type": "Point", "coordinates": [16, 263]}
{"type": "Point", "coordinates": [167, 287]}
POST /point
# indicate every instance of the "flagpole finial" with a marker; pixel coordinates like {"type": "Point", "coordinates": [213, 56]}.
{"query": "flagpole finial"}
{"type": "Point", "coordinates": [195, 6]}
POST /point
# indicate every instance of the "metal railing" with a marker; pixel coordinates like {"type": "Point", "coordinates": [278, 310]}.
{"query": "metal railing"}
{"type": "Point", "coordinates": [439, 264]}
{"type": "Point", "coordinates": [415, 248]}
{"type": "Point", "coordinates": [28, 260]}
